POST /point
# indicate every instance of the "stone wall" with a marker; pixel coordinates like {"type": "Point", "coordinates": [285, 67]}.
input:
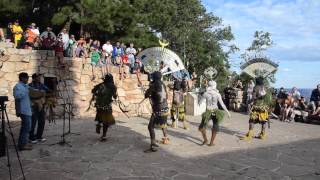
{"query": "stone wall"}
{"type": "Point", "coordinates": [75, 82]}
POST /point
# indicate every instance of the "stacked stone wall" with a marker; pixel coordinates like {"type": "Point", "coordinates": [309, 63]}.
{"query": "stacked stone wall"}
{"type": "Point", "coordinates": [75, 82]}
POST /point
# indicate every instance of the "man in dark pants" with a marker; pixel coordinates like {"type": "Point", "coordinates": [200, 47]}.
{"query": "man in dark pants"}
{"type": "Point", "coordinates": [38, 113]}
{"type": "Point", "coordinates": [23, 110]}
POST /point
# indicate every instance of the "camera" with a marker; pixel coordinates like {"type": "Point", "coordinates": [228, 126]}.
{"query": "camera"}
{"type": "Point", "coordinates": [4, 98]}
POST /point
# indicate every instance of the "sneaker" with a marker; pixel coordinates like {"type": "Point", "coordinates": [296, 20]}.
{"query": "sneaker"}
{"type": "Point", "coordinates": [33, 141]}
{"type": "Point", "coordinates": [41, 140]}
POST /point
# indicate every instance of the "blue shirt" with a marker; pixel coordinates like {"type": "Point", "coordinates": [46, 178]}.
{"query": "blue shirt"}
{"type": "Point", "coordinates": [21, 94]}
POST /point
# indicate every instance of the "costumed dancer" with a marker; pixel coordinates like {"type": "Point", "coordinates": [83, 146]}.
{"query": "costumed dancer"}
{"type": "Point", "coordinates": [212, 97]}
{"type": "Point", "coordinates": [178, 106]}
{"type": "Point", "coordinates": [259, 110]}
{"type": "Point", "coordinates": [158, 95]}
{"type": "Point", "coordinates": [103, 94]}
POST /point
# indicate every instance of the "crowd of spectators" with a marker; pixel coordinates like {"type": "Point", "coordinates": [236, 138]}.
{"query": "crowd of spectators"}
{"type": "Point", "coordinates": [103, 55]}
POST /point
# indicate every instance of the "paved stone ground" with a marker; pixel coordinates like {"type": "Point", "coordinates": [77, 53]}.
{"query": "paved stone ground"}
{"type": "Point", "coordinates": [291, 151]}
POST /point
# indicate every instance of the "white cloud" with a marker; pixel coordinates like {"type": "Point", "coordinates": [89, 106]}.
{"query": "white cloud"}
{"type": "Point", "coordinates": [294, 25]}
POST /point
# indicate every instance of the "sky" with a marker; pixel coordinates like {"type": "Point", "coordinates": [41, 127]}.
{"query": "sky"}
{"type": "Point", "coordinates": [295, 29]}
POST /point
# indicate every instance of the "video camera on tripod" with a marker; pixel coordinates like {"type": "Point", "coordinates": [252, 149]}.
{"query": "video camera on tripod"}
{"type": "Point", "coordinates": [3, 139]}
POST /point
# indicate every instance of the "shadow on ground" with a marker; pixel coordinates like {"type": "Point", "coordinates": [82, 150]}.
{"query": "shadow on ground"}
{"type": "Point", "coordinates": [122, 157]}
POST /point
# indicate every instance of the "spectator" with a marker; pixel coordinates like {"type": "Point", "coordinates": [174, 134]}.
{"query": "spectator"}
{"type": "Point", "coordinates": [23, 110]}
{"type": "Point", "coordinates": [107, 48]}
{"type": "Point", "coordinates": [315, 98]}
{"type": "Point", "coordinates": [65, 39]}
{"type": "Point", "coordinates": [95, 45]}
{"type": "Point", "coordinates": [131, 52]}
{"type": "Point", "coordinates": [48, 42]}
{"type": "Point", "coordinates": [117, 54]}
{"type": "Point", "coordinates": [48, 33]}
{"type": "Point", "coordinates": [81, 50]}
{"type": "Point", "coordinates": [302, 104]}
{"type": "Point", "coordinates": [70, 51]}
{"type": "Point", "coordinates": [9, 37]}
{"type": "Point", "coordinates": [37, 43]}
{"type": "Point", "coordinates": [30, 38]}
{"type": "Point", "coordinates": [238, 84]}
{"type": "Point", "coordinates": [38, 114]}
{"type": "Point", "coordinates": [287, 109]}
{"type": "Point", "coordinates": [35, 29]}
{"type": "Point", "coordinates": [17, 31]}
{"type": "Point", "coordinates": [95, 58]}
{"type": "Point", "coordinates": [295, 94]}
{"type": "Point", "coordinates": [137, 70]}
{"type": "Point", "coordinates": [58, 49]}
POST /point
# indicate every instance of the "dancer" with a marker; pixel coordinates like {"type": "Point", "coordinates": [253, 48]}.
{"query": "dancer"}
{"type": "Point", "coordinates": [178, 106]}
{"type": "Point", "coordinates": [158, 94]}
{"type": "Point", "coordinates": [103, 94]}
{"type": "Point", "coordinates": [259, 110]}
{"type": "Point", "coordinates": [212, 97]}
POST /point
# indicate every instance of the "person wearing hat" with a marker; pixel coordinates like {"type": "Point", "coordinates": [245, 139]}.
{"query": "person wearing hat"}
{"type": "Point", "coordinates": [45, 34]}
{"type": "Point", "coordinates": [34, 29]}
{"type": "Point", "coordinates": [37, 96]}
{"type": "Point", "coordinates": [212, 97]}
{"type": "Point", "coordinates": [158, 95]}
{"type": "Point", "coordinates": [103, 94]}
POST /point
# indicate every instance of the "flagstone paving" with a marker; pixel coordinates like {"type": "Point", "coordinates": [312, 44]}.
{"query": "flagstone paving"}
{"type": "Point", "coordinates": [291, 151]}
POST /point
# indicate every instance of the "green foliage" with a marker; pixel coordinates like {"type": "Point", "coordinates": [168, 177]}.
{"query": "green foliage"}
{"type": "Point", "coordinates": [197, 36]}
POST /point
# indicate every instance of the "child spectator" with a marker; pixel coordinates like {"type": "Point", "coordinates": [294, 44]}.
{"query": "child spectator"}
{"type": "Point", "coordinates": [95, 60]}
{"type": "Point", "coordinates": [48, 42]}
{"type": "Point", "coordinates": [17, 31]}
{"type": "Point", "coordinates": [35, 29]}
{"type": "Point", "coordinates": [59, 51]}
{"type": "Point", "coordinates": [30, 38]}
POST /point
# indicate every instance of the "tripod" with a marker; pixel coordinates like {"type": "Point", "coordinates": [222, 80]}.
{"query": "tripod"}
{"type": "Point", "coordinates": [68, 107]}
{"type": "Point", "coordinates": [63, 141]}
{"type": "Point", "coordinates": [4, 117]}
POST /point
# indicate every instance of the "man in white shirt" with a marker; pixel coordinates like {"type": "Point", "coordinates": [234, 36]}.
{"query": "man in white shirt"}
{"type": "Point", "coordinates": [107, 50]}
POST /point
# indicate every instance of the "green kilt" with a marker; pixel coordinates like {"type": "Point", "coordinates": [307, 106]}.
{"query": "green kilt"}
{"type": "Point", "coordinates": [215, 115]}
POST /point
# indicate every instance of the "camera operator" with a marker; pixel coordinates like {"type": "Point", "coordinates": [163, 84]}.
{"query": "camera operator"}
{"type": "Point", "coordinates": [23, 110]}
{"type": "Point", "coordinates": [38, 113]}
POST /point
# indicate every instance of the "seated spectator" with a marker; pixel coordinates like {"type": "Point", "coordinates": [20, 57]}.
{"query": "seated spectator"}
{"type": "Point", "coordinates": [37, 43]}
{"type": "Point", "coordinates": [95, 45]}
{"type": "Point", "coordinates": [35, 29]}
{"type": "Point", "coordinates": [287, 109]}
{"type": "Point", "coordinates": [315, 98]}
{"type": "Point", "coordinates": [301, 105]}
{"type": "Point", "coordinates": [48, 33]}
{"type": "Point", "coordinates": [81, 50]}
{"type": "Point", "coordinates": [48, 42]}
{"type": "Point", "coordinates": [295, 94]}
{"type": "Point", "coordinates": [131, 52]}
{"type": "Point", "coordinates": [117, 54]}
{"type": "Point", "coordinates": [9, 37]}
{"type": "Point", "coordinates": [30, 38]}
{"type": "Point", "coordinates": [17, 31]}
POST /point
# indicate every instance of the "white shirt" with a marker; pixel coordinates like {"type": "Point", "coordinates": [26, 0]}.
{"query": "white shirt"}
{"type": "Point", "coordinates": [36, 31]}
{"type": "Point", "coordinates": [108, 48]}
{"type": "Point", "coordinates": [130, 50]}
